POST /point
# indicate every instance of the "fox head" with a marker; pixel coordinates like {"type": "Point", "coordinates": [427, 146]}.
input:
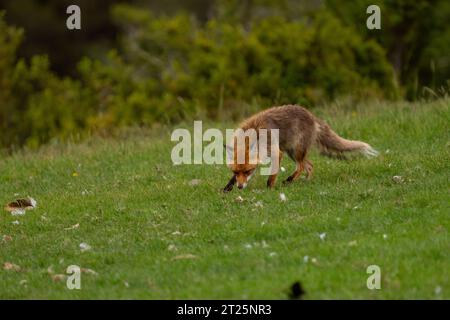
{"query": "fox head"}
{"type": "Point", "coordinates": [243, 168]}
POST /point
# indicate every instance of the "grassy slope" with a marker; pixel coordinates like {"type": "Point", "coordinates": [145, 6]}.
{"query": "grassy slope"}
{"type": "Point", "coordinates": [137, 205]}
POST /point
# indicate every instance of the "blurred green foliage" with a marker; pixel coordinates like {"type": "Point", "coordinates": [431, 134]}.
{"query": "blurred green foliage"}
{"type": "Point", "coordinates": [242, 56]}
{"type": "Point", "coordinates": [415, 35]}
{"type": "Point", "coordinates": [35, 104]}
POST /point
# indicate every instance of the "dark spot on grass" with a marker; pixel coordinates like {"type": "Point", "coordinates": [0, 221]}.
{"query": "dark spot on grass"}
{"type": "Point", "coordinates": [296, 291]}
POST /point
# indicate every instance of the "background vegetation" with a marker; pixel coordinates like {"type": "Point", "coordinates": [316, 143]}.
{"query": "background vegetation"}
{"type": "Point", "coordinates": [147, 62]}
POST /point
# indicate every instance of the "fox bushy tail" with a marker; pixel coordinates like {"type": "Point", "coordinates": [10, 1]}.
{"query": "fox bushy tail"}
{"type": "Point", "coordinates": [332, 145]}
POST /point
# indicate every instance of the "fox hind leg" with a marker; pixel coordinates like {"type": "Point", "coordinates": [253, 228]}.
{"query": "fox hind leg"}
{"type": "Point", "coordinates": [302, 165]}
{"type": "Point", "coordinates": [309, 168]}
{"type": "Point", "coordinates": [298, 171]}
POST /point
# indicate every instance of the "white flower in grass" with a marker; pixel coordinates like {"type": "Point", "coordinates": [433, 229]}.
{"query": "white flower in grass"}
{"type": "Point", "coordinates": [195, 182]}
{"type": "Point", "coordinates": [89, 271]}
{"type": "Point", "coordinates": [352, 243]}
{"type": "Point", "coordinates": [259, 204]}
{"type": "Point", "coordinates": [32, 202]}
{"type": "Point", "coordinates": [18, 212]}
{"type": "Point", "coordinates": [283, 197]}
{"type": "Point", "coordinates": [322, 236]}
{"type": "Point", "coordinates": [84, 246]}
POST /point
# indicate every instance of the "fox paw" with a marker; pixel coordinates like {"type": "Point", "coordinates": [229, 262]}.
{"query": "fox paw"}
{"type": "Point", "coordinates": [227, 189]}
{"type": "Point", "coordinates": [289, 180]}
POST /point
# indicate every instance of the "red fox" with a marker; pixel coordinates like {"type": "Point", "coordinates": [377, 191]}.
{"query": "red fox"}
{"type": "Point", "coordinates": [298, 131]}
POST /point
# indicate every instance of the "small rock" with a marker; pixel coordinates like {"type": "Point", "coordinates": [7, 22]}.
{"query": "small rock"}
{"type": "Point", "coordinates": [184, 256]}
{"type": "Point", "coordinates": [438, 290]}
{"type": "Point", "coordinates": [18, 212]}
{"type": "Point", "coordinates": [84, 246]}
{"type": "Point", "coordinates": [259, 204]}
{"type": "Point", "coordinates": [50, 270]}
{"type": "Point", "coordinates": [11, 267]}
{"type": "Point", "coordinates": [195, 182]}
{"type": "Point", "coordinates": [398, 179]}
{"type": "Point", "coordinates": [58, 277]}
{"type": "Point", "coordinates": [75, 226]}
{"type": "Point", "coordinates": [89, 271]}
{"type": "Point", "coordinates": [352, 243]}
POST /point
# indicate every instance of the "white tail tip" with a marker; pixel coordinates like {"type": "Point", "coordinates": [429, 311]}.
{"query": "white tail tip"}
{"type": "Point", "coordinates": [370, 152]}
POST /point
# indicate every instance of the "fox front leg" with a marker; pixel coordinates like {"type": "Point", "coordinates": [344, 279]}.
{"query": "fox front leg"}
{"type": "Point", "coordinates": [273, 177]}
{"type": "Point", "coordinates": [230, 184]}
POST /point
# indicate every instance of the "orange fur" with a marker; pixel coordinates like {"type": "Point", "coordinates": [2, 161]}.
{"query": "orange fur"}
{"type": "Point", "coordinates": [299, 130]}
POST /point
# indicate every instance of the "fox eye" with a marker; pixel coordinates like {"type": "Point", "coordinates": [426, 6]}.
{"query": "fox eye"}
{"type": "Point", "coordinates": [248, 172]}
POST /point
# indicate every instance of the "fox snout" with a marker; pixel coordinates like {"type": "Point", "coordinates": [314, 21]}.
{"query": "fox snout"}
{"type": "Point", "coordinates": [241, 181]}
{"type": "Point", "coordinates": [243, 177]}
{"type": "Point", "coordinates": [241, 185]}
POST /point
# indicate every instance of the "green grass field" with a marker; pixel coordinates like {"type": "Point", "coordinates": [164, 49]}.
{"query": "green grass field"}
{"type": "Point", "coordinates": [153, 235]}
